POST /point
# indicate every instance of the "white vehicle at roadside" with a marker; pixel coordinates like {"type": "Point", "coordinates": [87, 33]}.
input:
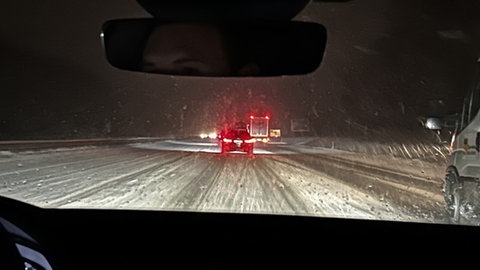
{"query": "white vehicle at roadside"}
{"type": "Point", "coordinates": [462, 178]}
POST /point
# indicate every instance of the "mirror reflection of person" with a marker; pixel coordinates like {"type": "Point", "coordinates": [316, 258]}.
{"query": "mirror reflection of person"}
{"type": "Point", "coordinates": [194, 49]}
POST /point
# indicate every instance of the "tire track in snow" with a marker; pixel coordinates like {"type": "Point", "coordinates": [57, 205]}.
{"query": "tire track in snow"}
{"type": "Point", "coordinates": [196, 189]}
{"type": "Point", "coordinates": [113, 181]}
{"type": "Point", "coordinates": [420, 196]}
{"type": "Point", "coordinates": [284, 194]}
{"type": "Point", "coordinates": [330, 197]}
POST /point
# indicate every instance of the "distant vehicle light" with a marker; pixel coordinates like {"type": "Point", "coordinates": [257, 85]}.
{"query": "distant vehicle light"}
{"type": "Point", "coordinates": [433, 123]}
{"type": "Point", "coordinates": [211, 135]}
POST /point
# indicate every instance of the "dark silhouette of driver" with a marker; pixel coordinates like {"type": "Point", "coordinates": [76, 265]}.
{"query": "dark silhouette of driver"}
{"type": "Point", "coordinates": [195, 48]}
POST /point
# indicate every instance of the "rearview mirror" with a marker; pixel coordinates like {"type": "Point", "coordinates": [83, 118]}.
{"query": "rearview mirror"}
{"type": "Point", "coordinates": [223, 49]}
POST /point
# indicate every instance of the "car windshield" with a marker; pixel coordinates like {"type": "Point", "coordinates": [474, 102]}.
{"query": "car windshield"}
{"type": "Point", "coordinates": [385, 128]}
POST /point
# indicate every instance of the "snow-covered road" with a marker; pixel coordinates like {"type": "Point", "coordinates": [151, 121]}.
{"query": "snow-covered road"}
{"type": "Point", "coordinates": [193, 176]}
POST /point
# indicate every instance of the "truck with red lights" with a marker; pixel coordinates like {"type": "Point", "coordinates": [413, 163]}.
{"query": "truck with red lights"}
{"type": "Point", "coordinates": [259, 128]}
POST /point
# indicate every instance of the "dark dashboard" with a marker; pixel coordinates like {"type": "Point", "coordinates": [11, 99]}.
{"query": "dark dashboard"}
{"type": "Point", "coordinates": [134, 239]}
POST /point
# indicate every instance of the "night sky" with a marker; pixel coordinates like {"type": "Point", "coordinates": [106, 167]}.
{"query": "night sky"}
{"type": "Point", "coordinates": [384, 61]}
